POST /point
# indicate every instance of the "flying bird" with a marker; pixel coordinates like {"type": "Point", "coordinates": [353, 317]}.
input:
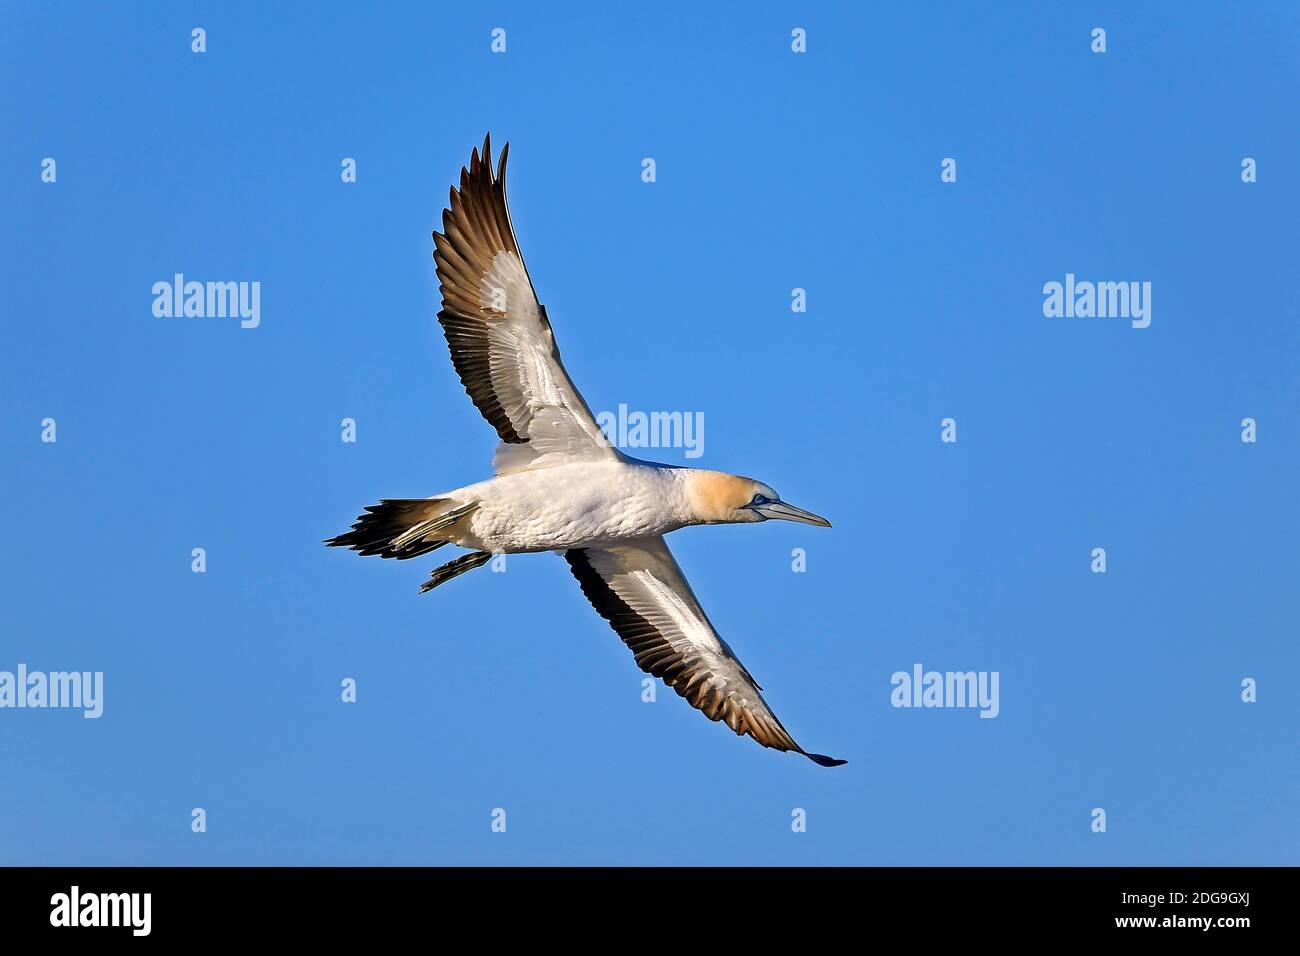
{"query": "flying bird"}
{"type": "Point", "coordinates": [560, 485]}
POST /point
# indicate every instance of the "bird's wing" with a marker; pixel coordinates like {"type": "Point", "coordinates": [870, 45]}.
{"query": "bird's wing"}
{"type": "Point", "coordinates": [500, 338]}
{"type": "Point", "coordinates": [639, 588]}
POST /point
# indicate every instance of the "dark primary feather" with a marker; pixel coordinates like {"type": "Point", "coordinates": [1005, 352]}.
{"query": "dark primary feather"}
{"type": "Point", "coordinates": [497, 331]}
{"type": "Point", "coordinates": [476, 227]}
{"type": "Point", "coordinates": [707, 675]}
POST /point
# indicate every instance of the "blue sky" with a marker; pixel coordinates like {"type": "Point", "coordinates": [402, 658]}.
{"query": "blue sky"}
{"type": "Point", "coordinates": [775, 170]}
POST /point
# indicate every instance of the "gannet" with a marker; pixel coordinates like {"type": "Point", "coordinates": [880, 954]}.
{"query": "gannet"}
{"type": "Point", "coordinates": [560, 485]}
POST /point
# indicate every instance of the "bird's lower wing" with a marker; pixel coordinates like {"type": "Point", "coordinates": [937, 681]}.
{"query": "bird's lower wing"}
{"type": "Point", "coordinates": [500, 338]}
{"type": "Point", "coordinates": [640, 589]}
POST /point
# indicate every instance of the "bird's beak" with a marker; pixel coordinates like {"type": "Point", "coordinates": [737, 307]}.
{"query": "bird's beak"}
{"type": "Point", "coordinates": [779, 509]}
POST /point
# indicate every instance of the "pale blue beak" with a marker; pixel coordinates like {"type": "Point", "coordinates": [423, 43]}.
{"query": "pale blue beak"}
{"type": "Point", "coordinates": [785, 512]}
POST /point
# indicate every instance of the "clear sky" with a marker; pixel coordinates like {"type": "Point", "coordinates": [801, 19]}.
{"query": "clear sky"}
{"type": "Point", "coordinates": [774, 170]}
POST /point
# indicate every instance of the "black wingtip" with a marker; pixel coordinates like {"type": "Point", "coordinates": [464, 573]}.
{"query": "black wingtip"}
{"type": "Point", "coordinates": [824, 761]}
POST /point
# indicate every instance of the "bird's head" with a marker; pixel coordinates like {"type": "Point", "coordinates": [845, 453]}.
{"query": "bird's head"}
{"type": "Point", "coordinates": [715, 497]}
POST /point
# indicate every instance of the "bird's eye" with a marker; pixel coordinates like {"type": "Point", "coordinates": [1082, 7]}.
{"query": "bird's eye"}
{"type": "Point", "coordinates": [759, 500]}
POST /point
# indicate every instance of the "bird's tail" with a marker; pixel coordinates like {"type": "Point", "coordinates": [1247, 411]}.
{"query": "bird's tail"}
{"type": "Point", "coordinates": [402, 527]}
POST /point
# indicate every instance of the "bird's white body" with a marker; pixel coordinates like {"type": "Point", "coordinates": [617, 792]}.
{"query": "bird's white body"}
{"type": "Point", "coordinates": [586, 504]}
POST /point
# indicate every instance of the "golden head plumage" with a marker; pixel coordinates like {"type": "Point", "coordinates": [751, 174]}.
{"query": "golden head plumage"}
{"type": "Point", "coordinates": [715, 497]}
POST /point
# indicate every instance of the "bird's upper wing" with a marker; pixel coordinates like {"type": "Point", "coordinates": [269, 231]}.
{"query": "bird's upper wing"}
{"type": "Point", "coordinates": [500, 338]}
{"type": "Point", "coordinates": [639, 588]}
